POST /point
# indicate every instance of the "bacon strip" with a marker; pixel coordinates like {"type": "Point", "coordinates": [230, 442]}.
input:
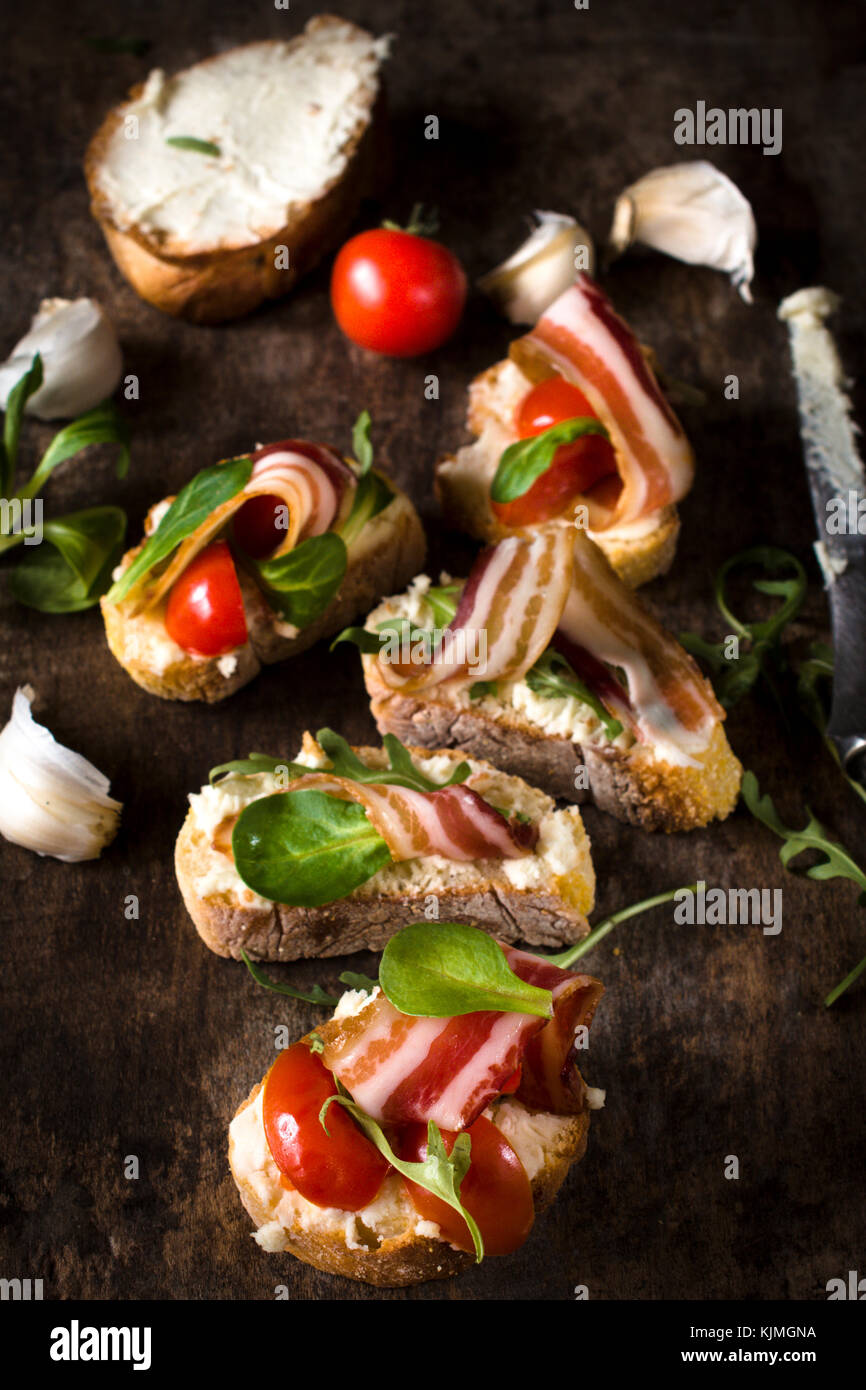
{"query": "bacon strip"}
{"type": "Point", "coordinates": [670, 704]}
{"type": "Point", "coordinates": [583, 339]}
{"type": "Point", "coordinates": [506, 616]}
{"type": "Point", "coordinates": [310, 479]}
{"type": "Point", "coordinates": [402, 1069]}
{"type": "Point", "coordinates": [455, 822]}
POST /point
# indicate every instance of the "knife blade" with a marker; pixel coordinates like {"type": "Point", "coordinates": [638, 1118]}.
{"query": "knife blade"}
{"type": "Point", "coordinates": [837, 483]}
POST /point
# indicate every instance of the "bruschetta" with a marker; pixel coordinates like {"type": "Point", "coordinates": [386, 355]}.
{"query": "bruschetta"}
{"type": "Point", "coordinates": [575, 687]}
{"type": "Point", "coordinates": [257, 558]}
{"type": "Point", "coordinates": [333, 852]}
{"type": "Point", "coordinates": [364, 1162]}
{"type": "Point", "coordinates": [573, 422]}
{"type": "Point", "coordinates": [218, 187]}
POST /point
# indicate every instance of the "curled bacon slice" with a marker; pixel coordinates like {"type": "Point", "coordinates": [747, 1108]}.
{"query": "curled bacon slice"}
{"type": "Point", "coordinates": [581, 337]}
{"type": "Point", "coordinates": [549, 1078]}
{"type": "Point", "coordinates": [669, 704]}
{"type": "Point", "coordinates": [455, 822]}
{"type": "Point", "coordinates": [506, 616]}
{"type": "Point", "coordinates": [310, 479]}
{"type": "Point", "coordinates": [402, 1069]}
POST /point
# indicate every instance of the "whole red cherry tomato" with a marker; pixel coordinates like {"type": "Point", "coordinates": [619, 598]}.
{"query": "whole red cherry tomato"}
{"type": "Point", "coordinates": [495, 1191]}
{"type": "Point", "coordinates": [397, 292]}
{"type": "Point", "coordinates": [205, 610]}
{"type": "Point", "coordinates": [343, 1170]}
{"type": "Point", "coordinates": [575, 467]}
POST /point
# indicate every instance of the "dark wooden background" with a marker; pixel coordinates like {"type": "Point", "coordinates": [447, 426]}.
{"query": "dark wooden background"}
{"type": "Point", "coordinates": [128, 1037]}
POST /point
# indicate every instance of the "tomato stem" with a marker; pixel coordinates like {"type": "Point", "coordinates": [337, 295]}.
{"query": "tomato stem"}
{"type": "Point", "coordinates": [421, 222]}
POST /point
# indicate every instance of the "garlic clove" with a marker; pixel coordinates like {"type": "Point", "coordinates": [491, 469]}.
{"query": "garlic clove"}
{"type": "Point", "coordinates": [536, 274]}
{"type": "Point", "coordinates": [81, 359]}
{"type": "Point", "coordinates": [693, 212]}
{"type": "Point", "coordinates": [52, 800]}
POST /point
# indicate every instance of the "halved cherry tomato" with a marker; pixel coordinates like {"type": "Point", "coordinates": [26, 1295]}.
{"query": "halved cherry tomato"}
{"type": "Point", "coordinates": [259, 525]}
{"type": "Point", "coordinates": [397, 292]}
{"type": "Point", "coordinates": [205, 611]}
{"type": "Point", "coordinates": [343, 1170]}
{"type": "Point", "coordinates": [496, 1190]}
{"type": "Point", "coordinates": [576, 467]}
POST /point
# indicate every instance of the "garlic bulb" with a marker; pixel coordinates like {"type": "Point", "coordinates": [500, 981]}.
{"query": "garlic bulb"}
{"type": "Point", "coordinates": [81, 359]}
{"type": "Point", "coordinates": [693, 212]}
{"type": "Point", "coordinates": [52, 800]}
{"type": "Point", "coordinates": [541, 268]}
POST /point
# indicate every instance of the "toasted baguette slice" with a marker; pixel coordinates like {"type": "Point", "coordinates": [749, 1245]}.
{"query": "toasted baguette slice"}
{"type": "Point", "coordinates": [387, 1244]}
{"type": "Point", "coordinates": [638, 552]}
{"type": "Point", "coordinates": [543, 898]}
{"type": "Point", "coordinates": [386, 553]}
{"type": "Point", "coordinates": [557, 744]}
{"type": "Point", "coordinates": [299, 127]}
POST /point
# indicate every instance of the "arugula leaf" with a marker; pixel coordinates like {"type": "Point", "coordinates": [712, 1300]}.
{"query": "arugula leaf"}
{"type": "Point", "coordinates": [306, 848]}
{"type": "Point", "coordinates": [368, 642]}
{"type": "Point", "coordinates": [302, 584]}
{"type": "Point", "coordinates": [190, 142]}
{"type": "Point", "coordinates": [836, 862]}
{"type": "Point", "coordinates": [443, 599]}
{"type": "Point", "coordinates": [553, 676]}
{"type": "Point", "coordinates": [525, 460]}
{"type": "Point", "coordinates": [356, 981]}
{"type": "Point", "coordinates": [101, 425]}
{"type": "Point", "coordinates": [24, 388]}
{"type": "Point", "coordinates": [735, 677]}
{"type": "Point", "coordinates": [401, 771]}
{"type": "Point", "coordinates": [439, 1173]}
{"type": "Point", "coordinates": [444, 969]}
{"type": "Point", "coordinates": [72, 567]}
{"type": "Point", "coordinates": [482, 688]}
{"type": "Point", "coordinates": [362, 446]}
{"type": "Point", "coordinates": [567, 958]}
{"type": "Point", "coordinates": [193, 505]}
{"type": "Point", "coordinates": [372, 496]}
{"type": "Point", "coordinates": [314, 995]}
{"type": "Point", "coordinates": [257, 762]}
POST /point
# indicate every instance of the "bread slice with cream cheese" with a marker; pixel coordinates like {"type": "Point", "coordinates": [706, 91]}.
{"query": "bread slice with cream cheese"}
{"type": "Point", "coordinates": [542, 898]}
{"type": "Point", "coordinates": [219, 187]}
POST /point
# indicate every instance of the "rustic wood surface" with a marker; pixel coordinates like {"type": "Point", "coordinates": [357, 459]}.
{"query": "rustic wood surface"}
{"type": "Point", "coordinates": [128, 1037]}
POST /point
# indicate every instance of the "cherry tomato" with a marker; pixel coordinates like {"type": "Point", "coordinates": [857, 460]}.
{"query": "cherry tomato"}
{"type": "Point", "coordinates": [576, 467]}
{"type": "Point", "coordinates": [396, 292]}
{"type": "Point", "coordinates": [259, 525]}
{"type": "Point", "coordinates": [549, 403]}
{"type": "Point", "coordinates": [205, 611]}
{"type": "Point", "coordinates": [344, 1170]}
{"type": "Point", "coordinates": [496, 1190]}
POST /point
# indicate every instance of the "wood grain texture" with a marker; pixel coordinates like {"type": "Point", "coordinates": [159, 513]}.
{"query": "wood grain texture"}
{"type": "Point", "coordinates": [128, 1037]}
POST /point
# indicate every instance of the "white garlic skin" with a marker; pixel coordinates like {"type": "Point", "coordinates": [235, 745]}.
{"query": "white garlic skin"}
{"type": "Point", "coordinates": [541, 268]}
{"type": "Point", "coordinates": [693, 212]}
{"type": "Point", "coordinates": [81, 359]}
{"type": "Point", "coordinates": [52, 800]}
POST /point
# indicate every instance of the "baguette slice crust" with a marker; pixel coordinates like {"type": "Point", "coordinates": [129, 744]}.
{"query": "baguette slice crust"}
{"type": "Point", "coordinates": [551, 912]}
{"type": "Point", "coordinates": [213, 285]}
{"type": "Point", "coordinates": [462, 483]}
{"type": "Point", "coordinates": [628, 784]}
{"type": "Point", "coordinates": [384, 556]}
{"type": "Point", "coordinates": [404, 1255]}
